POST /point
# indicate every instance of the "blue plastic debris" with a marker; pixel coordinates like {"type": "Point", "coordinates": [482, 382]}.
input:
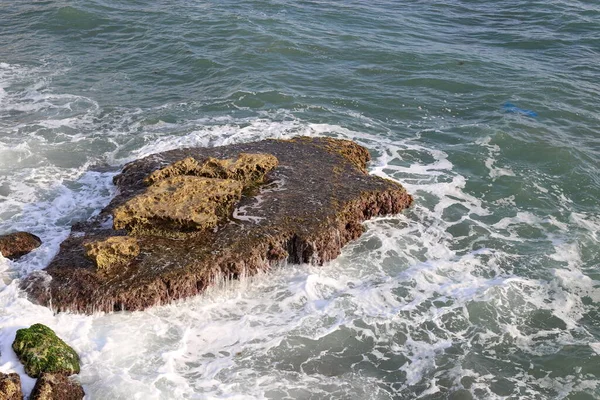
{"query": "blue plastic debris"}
{"type": "Point", "coordinates": [511, 108]}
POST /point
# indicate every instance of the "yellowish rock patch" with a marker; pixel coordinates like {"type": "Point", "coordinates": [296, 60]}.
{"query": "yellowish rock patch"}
{"type": "Point", "coordinates": [181, 203]}
{"type": "Point", "coordinates": [187, 166]}
{"type": "Point", "coordinates": [248, 168]}
{"type": "Point", "coordinates": [111, 252]}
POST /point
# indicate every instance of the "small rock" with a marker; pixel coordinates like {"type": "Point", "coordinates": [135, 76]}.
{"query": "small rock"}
{"type": "Point", "coordinates": [40, 350]}
{"type": "Point", "coordinates": [112, 251]}
{"type": "Point", "coordinates": [56, 387]}
{"type": "Point", "coordinates": [10, 387]}
{"type": "Point", "coordinates": [17, 244]}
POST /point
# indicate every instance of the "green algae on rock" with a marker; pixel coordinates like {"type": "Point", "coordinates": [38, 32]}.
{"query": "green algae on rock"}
{"type": "Point", "coordinates": [40, 350]}
{"type": "Point", "coordinates": [10, 387]}
{"type": "Point", "coordinates": [202, 213]}
{"type": "Point", "coordinates": [56, 387]}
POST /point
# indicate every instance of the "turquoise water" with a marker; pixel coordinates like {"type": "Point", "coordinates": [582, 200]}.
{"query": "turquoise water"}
{"type": "Point", "coordinates": [489, 287]}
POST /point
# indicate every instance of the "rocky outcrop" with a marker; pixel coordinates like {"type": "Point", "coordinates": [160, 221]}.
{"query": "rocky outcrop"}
{"type": "Point", "coordinates": [10, 387]}
{"type": "Point", "coordinates": [201, 214]}
{"type": "Point", "coordinates": [40, 351]}
{"type": "Point", "coordinates": [56, 387]}
{"type": "Point", "coordinates": [17, 244]}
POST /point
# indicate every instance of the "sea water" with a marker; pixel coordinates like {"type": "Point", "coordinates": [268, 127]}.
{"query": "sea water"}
{"type": "Point", "coordinates": [487, 288]}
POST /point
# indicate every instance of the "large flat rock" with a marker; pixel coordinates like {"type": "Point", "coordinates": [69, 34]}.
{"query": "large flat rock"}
{"type": "Point", "coordinates": [310, 203]}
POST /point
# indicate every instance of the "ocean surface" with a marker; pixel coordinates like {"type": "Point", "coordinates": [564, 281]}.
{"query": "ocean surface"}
{"type": "Point", "coordinates": [488, 112]}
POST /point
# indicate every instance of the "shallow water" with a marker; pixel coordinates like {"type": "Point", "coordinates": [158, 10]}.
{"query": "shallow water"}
{"type": "Point", "coordinates": [488, 288]}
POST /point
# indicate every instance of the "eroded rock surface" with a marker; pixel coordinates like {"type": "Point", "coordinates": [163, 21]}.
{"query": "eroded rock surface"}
{"type": "Point", "coordinates": [40, 350]}
{"type": "Point", "coordinates": [10, 387]}
{"type": "Point", "coordinates": [198, 213]}
{"type": "Point", "coordinates": [189, 196]}
{"type": "Point", "coordinates": [17, 244]}
{"type": "Point", "coordinates": [247, 168]}
{"type": "Point", "coordinates": [112, 252]}
{"type": "Point", "coordinates": [179, 204]}
{"type": "Point", "coordinates": [56, 387]}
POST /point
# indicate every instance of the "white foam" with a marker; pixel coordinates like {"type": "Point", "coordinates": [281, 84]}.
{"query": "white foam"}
{"type": "Point", "coordinates": [46, 201]}
{"type": "Point", "coordinates": [490, 162]}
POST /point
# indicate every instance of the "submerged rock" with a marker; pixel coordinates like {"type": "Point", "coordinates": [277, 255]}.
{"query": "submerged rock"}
{"type": "Point", "coordinates": [17, 244]}
{"type": "Point", "coordinates": [198, 214]}
{"type": "Point", "coordinates": [10, 387]}
{"type": "Point", "coordinates": [56, 387]}
{"type": "Point", "coordinates": [40, 350]}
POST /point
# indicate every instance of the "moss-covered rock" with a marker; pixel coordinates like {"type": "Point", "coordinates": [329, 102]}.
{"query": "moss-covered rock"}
{"type": "Point", "coordinates": [10, 387]}
{"type": "Point", "coordinates": [56, 387]}
{"type": "Point", "coordinates": [112, 252]}
{"type": "Point", "coordinates": [40, 350]}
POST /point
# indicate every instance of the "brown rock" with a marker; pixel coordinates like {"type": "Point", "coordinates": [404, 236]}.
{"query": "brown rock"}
{"type": "Point", "coordinates": [188, 196]}
{"type": "Point", "coordinates": [10, 387]}
{"type": "Point", "coordinates": [112, 252]}
{"type": "Point", "coordinates": [17, 244]}
{"type": "Point", "coordinates": [56, 387]}
{"type": "Point", "coordinates": [311, 204]}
